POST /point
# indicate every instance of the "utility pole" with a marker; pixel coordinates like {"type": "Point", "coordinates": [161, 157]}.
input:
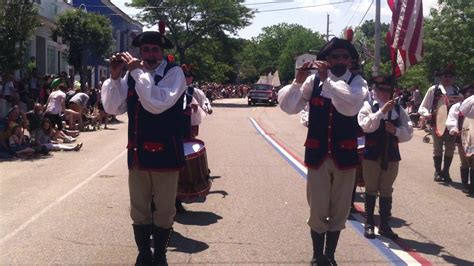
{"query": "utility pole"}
{"type": "Point", "coordinates": [327, 29]}
{"type": "Point", "coordinates": [376, 68]}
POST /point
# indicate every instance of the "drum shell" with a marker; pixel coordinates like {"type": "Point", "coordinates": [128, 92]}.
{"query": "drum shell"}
{"type": "Point", "coordinates": [193, 181]}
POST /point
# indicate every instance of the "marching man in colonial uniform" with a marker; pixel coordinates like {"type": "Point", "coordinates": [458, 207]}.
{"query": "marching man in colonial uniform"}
{"type": "Point", "coordinates": [454, 125]}
{"type": "Point", "coordinates": [386, 125]}
{"type": "Point", "coordinates": [435, 96]}
{"type": "Point", "coordinates": [152, 93]}
{"type": "Point", "coordinates": [335, 96]}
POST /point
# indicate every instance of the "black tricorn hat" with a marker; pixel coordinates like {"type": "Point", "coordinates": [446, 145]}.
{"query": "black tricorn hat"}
{"type": "Point", "coordinates": [467, 88]}
{"type": "Point", "coordinates": [152, 37]}
{"type": "Point", "coordinates": [383, 80]}
{"type": "Point", "coordinates": [336, 43]}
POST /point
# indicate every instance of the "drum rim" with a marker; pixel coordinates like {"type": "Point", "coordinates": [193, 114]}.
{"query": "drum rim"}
{"type": "Point", "coordinates": [437, 128]}
{"type": "Point", "coordinates": [195, 154]}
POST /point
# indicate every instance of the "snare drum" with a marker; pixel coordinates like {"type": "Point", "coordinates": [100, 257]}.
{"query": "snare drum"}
{"type": "Point", "coordinates": [359, 171]}
{"type": "Point", "coordinates": [194, 179]}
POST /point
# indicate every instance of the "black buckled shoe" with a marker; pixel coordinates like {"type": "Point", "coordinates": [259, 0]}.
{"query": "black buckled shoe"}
{"type": "Point", "coordinates": [437, 177]}
{"type": "Point", "coordinates": [369, 232]}
{"type": "Point", "coordinates": [388, 233]}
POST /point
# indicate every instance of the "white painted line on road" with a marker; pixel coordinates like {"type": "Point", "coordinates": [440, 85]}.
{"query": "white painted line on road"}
{"type": "Point", "coordinates": [391, 250]}
{"type": "Point", "coordinates": [57, 201]}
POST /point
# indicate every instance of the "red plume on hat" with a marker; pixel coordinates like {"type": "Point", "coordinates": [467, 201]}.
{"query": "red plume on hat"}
{"type": "Point", "coordinates": [170, 58]}
{"type": "Point", "coordinates": [349, 34]}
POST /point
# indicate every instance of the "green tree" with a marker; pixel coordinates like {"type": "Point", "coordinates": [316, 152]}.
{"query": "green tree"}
{"type": "Point", "coordinates": [18, 21]}
{"type": "Point", "coordinates": [448, 39]}
{"type": "Point", "coordinates": [191, 21]}
{"type": "Point", "coordinates": [88, 35]}
{"type": "Point", "coordinates": [277, 47]}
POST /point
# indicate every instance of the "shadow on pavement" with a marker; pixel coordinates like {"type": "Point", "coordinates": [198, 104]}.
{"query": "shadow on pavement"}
{"type": "Point", "coordinates": [183, 244]}
{"type": "Point", "coordinates": [230, 105]}
{"type": "Point", "coordinates": [197, 218]}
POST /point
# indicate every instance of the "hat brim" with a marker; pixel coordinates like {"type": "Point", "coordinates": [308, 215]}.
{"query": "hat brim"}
{"type": "Point", "coordinates": [336, 43]}
{"type": "Point", "coordinates": [152, 37]}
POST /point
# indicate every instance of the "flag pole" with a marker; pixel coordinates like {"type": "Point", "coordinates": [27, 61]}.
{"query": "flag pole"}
{"type": "Point", "coordinates": [378, 37]}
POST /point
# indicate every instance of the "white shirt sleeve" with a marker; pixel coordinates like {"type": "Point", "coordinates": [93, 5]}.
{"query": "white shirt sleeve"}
{"type": "Point", "coordinates": [347, 99]}
{"type": "Point", "coordinates": [425, 105]}
{"type": "Point", "coordinates": [158, 98]}
{"type": "Point", "coordinates": [467, 107]}
{"type": "Point", "coordinates": [368, 121]}
{"type": "Point", "coordinates": [202, 99]}
{"type": "Point", "coordinates": [294, 97]}
{"type": "Point", "coordinates": [114, 95]}
{"type": "Point", "coordinates": [404, 131]}
{"type": "Point", "coordinates": [452, 120]}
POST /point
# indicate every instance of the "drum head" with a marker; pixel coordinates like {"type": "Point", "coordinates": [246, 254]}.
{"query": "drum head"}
{"type": "Point", "coordinates": [441, 116]}
{"type": "Point", "coordinates": [467, 136]}
{"type": "Point", "coordinates": [193, 146]}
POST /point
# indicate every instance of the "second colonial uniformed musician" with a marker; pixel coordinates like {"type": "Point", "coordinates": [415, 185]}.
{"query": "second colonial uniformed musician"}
{"type": "Point", "coordinates": [454, 125]}
{"type": "Point", "coordinates": [152, 94]}
{"type": "Point", "coordinates": [385, 125]}
{"type": "Point", "coordinates": [446, 141]}
{"type": "Point", "coordinates": [335, 96]}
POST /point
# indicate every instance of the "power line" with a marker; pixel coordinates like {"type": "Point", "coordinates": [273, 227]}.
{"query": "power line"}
{"type": "Point", "coordinates": [300, 7]}
{"type": "Point", "coordinates": [266, 3]}
{"type": "Point", "coordinates": [366, 13]}
{"type": "Point", "coordinates": [353, 14]}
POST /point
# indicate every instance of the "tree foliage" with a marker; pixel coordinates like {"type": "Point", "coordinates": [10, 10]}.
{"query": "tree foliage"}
{"type": "Point", "coordinates": [88, 35]}
{"type": "Point", "coordinates": [18, 20]}
{"type": "Point", "coordinates": [449, 39]}
{"type": "Point", "coordinates": [192, 21]}
{"type": "Point", "coordinates": [276, 48]}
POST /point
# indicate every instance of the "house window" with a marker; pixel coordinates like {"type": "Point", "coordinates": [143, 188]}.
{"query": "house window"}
{"type": "Point", "coordinates": [52, 60]}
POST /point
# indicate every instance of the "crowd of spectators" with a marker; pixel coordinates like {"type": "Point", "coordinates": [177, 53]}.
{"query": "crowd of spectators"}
{"type": "Point", "coordinates": [219, 91]}
{"type": "Point", "coordinates": [39, 115]}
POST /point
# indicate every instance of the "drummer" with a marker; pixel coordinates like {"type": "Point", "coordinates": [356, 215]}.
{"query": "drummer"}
{"type": "Point", "coordinates": [197, 105]}
{"type": "Point", "coordinates": [427, 108]}
{"type": "Point", "coordinates": [454, 125]}
{"type": "Point", "coordinates": [382, 120]}
{"type": "Point", "coordinates": [152, 93]}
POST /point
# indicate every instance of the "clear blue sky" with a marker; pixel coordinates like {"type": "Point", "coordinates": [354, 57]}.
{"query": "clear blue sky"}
{"type": "Point", "coordinates": [308, 13]}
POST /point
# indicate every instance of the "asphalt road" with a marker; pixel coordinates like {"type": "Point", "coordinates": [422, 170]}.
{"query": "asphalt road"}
{"type": "Point", "coordinates": [73, 207]}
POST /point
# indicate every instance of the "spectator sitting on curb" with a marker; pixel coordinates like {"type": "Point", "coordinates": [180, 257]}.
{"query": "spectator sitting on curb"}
{"type": "Point", "coordinates": [44, 137]}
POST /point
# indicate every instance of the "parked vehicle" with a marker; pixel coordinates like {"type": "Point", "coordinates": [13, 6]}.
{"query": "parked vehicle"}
{"type": "Point", "coordinates": [262, 93]}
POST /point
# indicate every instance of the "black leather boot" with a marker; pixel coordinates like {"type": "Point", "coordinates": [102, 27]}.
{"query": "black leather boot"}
{"type": "Point", "coordinates": [465, 179]}
{"type": "Point", "coordinates": [385, 208]}
{"type": "Point", "coordinates": [331, 243]}
{"type": "Point", "coordinates": [437, 164]}
{"type": "Point", "coordinates": [142, 235]}
{"type": "Point", "coordinates": [161, 238]}
{"type": "Point", "coordinates": [369, 212]}
{"type": "Point", "coordinates": [445, 173]}
{"type": "Point", "coordinates": [318, 249]}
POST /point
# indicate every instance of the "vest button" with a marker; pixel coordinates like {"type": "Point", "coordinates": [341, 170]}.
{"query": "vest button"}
{"type": "Point", "coordinates": [135, 149]}
{"type": "Point", "coordinates": [329, 151]}
{"type": "Point", "coordinates": [153, 150]}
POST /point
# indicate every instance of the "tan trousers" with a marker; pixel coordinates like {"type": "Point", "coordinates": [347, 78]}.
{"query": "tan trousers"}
{"type": "Point", "coordinates": [162, 186]}
{"type": "Point", "coordinates": [329, 193]}
{"type": "Point", "coordinates": [378, 180]}
{"type": "Point", "coordinates": [447, 141]}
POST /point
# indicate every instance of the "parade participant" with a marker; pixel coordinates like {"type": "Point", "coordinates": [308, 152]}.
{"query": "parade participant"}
{"type": "Point", "coordinates": [335, 96]}
{"type": "Point", "coordinates": [197, 105]}
{"type": "Point", "coordinates": [427, 108]}
{"type": "Point", "coordinates": [152, 94]}
{"type": "Point", "coordinates": [386, 124]}
{"type": "Point", "coordinates": [454, 126]}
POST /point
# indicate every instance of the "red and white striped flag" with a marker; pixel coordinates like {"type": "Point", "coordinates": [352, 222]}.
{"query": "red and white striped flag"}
{"type": "Point", "coordinates": [405, 34]}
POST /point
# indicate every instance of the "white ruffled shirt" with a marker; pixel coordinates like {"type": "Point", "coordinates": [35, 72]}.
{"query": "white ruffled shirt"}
{"type": "Point", "coordinates": [347, 99]}
{"type": "Point", "coordinates": [370, 122]}
{"type": "Point", "coordinates": [154, 98]}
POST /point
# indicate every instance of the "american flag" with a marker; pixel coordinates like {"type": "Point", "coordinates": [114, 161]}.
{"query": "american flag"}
{"type": "Point", "coordinates": [405, 34]}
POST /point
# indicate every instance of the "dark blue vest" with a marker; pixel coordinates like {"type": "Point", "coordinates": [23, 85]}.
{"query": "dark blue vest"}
{"type": "Point", "coordinates": [187, 112]}
{"type": "Point", "coordinates": [375, 141]}
{"type": "Point", "coordinates": [330, 133]}
{"type": "Point", "coordinates": [155, 141]}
